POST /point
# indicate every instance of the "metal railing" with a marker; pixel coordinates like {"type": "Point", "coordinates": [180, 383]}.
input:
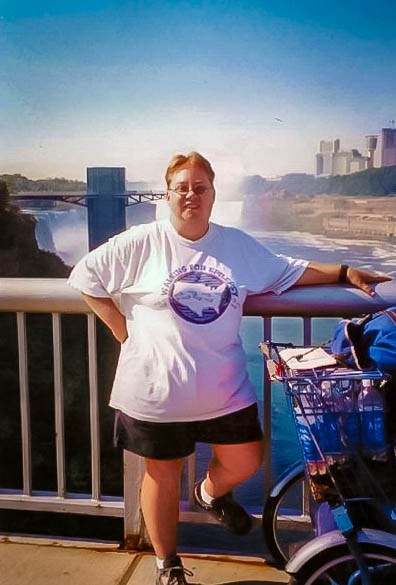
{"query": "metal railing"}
{"type": "Point", "coordinates": [45, 295]}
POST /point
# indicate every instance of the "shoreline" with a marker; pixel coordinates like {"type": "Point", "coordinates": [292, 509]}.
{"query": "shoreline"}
{"type": "Point", "coordinates": [360, 236]}
{"type": "Point", "coordinates": [334, 216]}
{"type": "Point", "coordinates": [331, 235]}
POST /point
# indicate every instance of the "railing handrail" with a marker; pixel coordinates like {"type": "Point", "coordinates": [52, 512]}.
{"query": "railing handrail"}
{"type": "Point", "coordinates": [52, 295]}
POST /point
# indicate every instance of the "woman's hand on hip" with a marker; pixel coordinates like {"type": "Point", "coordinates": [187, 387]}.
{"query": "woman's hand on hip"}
{"type": "Point", "coordinates": [110, 314]}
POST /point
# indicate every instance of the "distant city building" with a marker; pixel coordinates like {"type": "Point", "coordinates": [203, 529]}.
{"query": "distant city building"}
{"type": "Point", "coordinates": [325, 146]}
{"type": "Point", "coordinates": [324, 159]}
{"type": "Point", "coordinates": [332, 161]}
{"type": "Point", "coordinates": [371, 145]}
{"type": "Point", "coordinates": [388, 151]}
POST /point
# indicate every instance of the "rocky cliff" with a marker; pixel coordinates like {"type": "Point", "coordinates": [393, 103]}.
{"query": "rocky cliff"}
{"type": "Point", "coordinates": [19, 253]}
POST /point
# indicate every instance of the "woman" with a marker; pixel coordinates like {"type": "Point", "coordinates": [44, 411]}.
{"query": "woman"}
{"type": "Point", "coordinates": [181, 376]}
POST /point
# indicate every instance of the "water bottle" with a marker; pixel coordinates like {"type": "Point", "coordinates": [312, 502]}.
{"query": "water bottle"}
{"type": "Point", "coordinates": [350, 426]}
{"type": "Point", "coordinates": [329, 435]}
{"type": "Point", "coordinates": [350, 435]}
{"type": "Point", "coordinates": [371, 411]}
{"type": "Point", "coordinates": [305, 429]}
{"type": "Point", "coordinates": [315, 464]}
{"type": "Point", "coordinates": [328, 431]}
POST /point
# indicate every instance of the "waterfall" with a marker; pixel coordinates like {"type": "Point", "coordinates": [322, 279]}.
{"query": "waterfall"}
{"type": "Point", "coordinates": [65, 231]}
{"type": "Point", "coordinates": [43, 231]}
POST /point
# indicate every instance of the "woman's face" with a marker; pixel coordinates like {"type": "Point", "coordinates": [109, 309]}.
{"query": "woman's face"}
{"type": "Point", "coordinates": [191, 195]}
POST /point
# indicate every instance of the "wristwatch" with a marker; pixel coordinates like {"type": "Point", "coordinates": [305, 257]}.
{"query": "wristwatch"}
{"type": "Point", "coordinates": [342, 277]}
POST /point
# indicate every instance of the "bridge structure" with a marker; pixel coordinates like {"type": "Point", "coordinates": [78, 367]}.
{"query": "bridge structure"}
{"type": "Point", "coordinates": [106, 200]}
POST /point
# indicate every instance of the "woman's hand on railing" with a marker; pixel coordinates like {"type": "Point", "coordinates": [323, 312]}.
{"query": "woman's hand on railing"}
{"type": "Point", "coordinates": [321, 273]}
{"type": "Point", "coordinates": [365, 280]}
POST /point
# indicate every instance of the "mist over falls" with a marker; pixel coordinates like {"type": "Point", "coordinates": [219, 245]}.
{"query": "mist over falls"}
{"type": "Point", "coordinates": [65, 232]}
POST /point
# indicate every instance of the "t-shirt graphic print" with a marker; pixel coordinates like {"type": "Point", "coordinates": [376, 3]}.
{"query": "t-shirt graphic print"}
{"type": "Point", "coordinates": [199, 296]}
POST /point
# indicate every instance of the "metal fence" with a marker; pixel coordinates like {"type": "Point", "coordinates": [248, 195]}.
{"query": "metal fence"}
{"type": "Point", "coordinates": [53, 296]}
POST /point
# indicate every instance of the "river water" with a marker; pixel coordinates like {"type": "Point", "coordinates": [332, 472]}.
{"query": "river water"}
{"type": "Point", "coordinates": [65, 233]}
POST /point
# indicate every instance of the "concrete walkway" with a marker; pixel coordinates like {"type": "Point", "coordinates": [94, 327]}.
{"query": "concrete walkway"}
{"type": "Point", "coordinates": [36, 562]}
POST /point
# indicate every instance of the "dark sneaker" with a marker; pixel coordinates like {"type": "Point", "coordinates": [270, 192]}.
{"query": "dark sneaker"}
{"type": "Point", "coordinates": [226, 511]}
{"type": "Point", "coordinates": [173, 572]}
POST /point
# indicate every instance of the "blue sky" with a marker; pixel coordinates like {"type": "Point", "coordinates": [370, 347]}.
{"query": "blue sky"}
{"type": "Point", "coordinates": [131, 83]}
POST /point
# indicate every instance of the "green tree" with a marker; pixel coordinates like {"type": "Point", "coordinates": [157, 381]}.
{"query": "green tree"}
{"type": "Point", "coordinates": [4, 197]}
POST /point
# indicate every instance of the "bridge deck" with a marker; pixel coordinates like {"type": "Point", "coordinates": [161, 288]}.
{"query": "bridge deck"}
{"type": "Point", "coordinates": [33, 563]}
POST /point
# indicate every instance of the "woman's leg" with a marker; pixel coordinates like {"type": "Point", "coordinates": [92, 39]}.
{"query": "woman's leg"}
{"type": "Point", "coordinates": [231, 465]}
{"type": "Point", "coordinates": [160, 503]}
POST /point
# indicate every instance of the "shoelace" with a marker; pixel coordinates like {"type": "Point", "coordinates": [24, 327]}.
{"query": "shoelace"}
{"type": "Point", "coordinates": [176, 578]}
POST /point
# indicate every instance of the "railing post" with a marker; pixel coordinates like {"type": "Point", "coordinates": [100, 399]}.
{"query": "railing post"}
{"type": "Point", "coordinates": [25, 404]}
{"type": "Point", "coordinates": [307, 331]}
{"type": "Point", "coordinates": [94, 406]}
{"type": "Point", "coordinates": [135, 533]}
{"type": "Point", "coordinates": [59, 404]}
{"type": "Point", "coordinates": [267, 415]}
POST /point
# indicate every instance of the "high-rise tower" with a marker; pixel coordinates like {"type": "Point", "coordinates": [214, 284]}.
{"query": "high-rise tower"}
{"type": "Point", "coordinates": [371, 145]}
{"type": "Point", "coordinates": [388, 151]}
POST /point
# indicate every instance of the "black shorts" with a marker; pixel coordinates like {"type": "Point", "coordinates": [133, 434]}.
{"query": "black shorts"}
{"type": "Point", "coordinates": [177, 439]}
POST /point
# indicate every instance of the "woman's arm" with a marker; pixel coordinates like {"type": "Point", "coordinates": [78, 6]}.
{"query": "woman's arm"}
{"type": "Point", "coordinates": [107, 311]}
{"type": "Point", "coordinates": [318, 273]}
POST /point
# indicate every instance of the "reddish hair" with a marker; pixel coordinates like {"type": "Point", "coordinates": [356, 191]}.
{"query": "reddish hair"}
{"type": "Point", "coordinates": [193, 159]}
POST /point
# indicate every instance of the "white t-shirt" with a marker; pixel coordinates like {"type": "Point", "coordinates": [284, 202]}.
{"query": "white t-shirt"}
{"type": "Point", "coordinates": [183, 359]}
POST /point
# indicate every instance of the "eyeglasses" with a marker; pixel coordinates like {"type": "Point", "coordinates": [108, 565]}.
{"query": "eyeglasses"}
{"type": "Point", "coordinates": [183, 190]}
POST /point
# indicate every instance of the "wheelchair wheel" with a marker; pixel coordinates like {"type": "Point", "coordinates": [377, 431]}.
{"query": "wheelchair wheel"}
{"type": "Point", "coordinates": [337, 566]}
{"type": "Point", "coordinates": [286, 524]}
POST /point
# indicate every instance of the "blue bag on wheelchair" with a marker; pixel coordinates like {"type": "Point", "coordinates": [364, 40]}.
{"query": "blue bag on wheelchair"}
{"type": "Point", "coordinates": [369, 343]}
{"type": "Point", "coordinates": [366, 343]}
